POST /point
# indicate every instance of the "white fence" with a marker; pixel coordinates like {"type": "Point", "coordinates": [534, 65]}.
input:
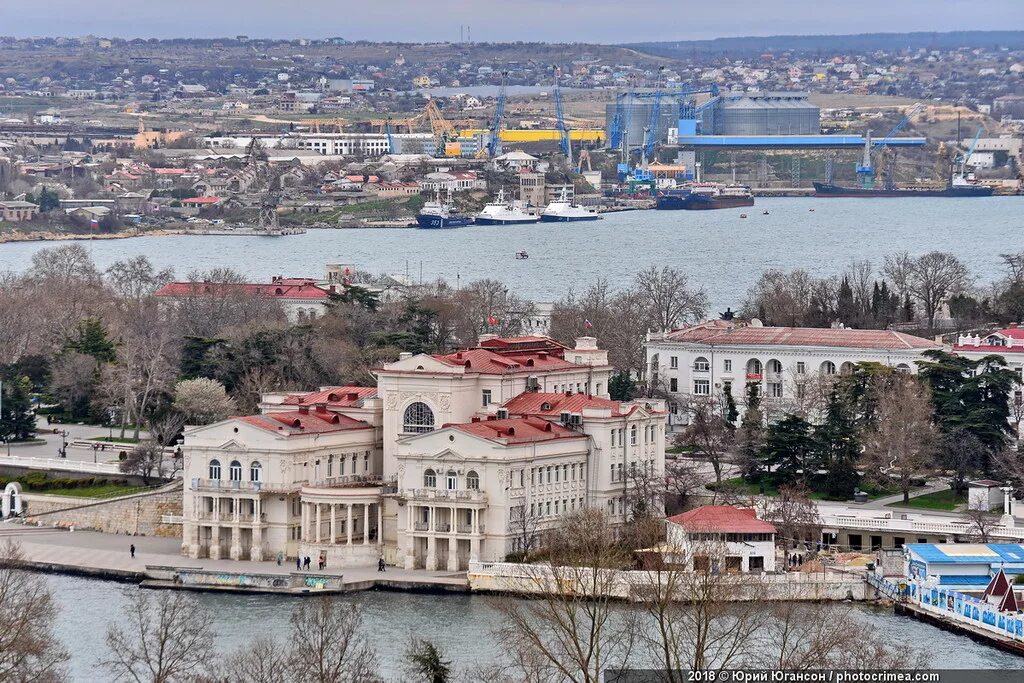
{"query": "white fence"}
{"type": "Point", "coordinates": [64, 464]}
{"type": "Point", "coordinates": [898, 522]}
{"type": "Point", "coordinates": [969, 612]}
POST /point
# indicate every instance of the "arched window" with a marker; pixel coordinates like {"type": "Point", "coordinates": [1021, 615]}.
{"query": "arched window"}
{"type": "Point", "coordinates": [846, 368]}
{"type": "Point", "coordinates": [256, 471]}
{"type": "Point", "coordinates": [701, 364]}
{"type": "Point", "coordinates": [473, 481]}
{"type": "Point", "coordinates": [632, 435]}
{"type": "Point", "coordinates": [451, 480]}
{"type": "Point", "coordinates": [418, 419]}
{"type": "Point", "coordinates": [904, 368]}
{"type": "Point", "coordinates": [215, 469]}
{"type": "Point", "coordinates": [430, 479]}
{"type": "Point", "coordinates": [775, 366]}
{"type": "Point", "coordinates": [235, 471]}
{"type": "Point", "coordinates": [754, 369]}
{"type": "Point", "coordinates": [828, 368]}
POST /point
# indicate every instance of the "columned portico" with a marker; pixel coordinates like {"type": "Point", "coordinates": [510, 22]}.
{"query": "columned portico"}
{"type": "Point", "coordinates": [357, 508]}
{"type": "Point", "coordinates": [443, 535]}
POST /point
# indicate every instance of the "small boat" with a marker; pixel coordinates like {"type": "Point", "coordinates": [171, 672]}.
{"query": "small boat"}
{"type": "Point", "coordinates": [764, 213]}
{"type": "Point", "coordinates": [438, 214]}
{"type": "Point", "coordinates": [520, 255]}
{"type": "Point", "coordinates": [743, 215]}
{"type": "Point", "coordinates": [502, 212]}
{"type": "Point", "coordinates": [563, 211]}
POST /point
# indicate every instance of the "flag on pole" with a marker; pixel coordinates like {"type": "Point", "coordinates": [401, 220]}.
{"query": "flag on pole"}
{"type": "Point", "coordinates": [94, 223]}
{"type": "Point", "coordinates": [588, 325]}
{"type": "Point", "coordinates": [491, 320]}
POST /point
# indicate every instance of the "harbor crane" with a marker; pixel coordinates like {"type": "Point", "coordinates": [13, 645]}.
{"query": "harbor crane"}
{"type": "Point", "coordinates": [563, 131]}
{"type": "Point", "coordinates": [494, 138]}
{"type": "Point", "coordinates": [866, 170]}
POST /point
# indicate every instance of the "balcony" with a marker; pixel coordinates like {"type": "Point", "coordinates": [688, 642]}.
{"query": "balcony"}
{"type": "Point", "coordinates": [465, 496]}
{"type": "Point", "coordinates": [754, 376]}
{"type": "Point", "coordinates": [241, 486]}
{"type": "Point", "coordinates": [420, 526]}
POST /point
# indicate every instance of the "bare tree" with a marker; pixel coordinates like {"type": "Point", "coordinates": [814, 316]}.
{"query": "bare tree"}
{"type": "Point", "coordinates": [264, 661]}
{"type": "Point", "coordinates": [219, 300]}
{"type": "Point", "coordinates": [135, 279]}
{"type": "Point", "coordinates": [901, 446]}
{"type": "Point", "coordinates": [794, 514]}
{"type": "Point", "coordinates": [929, 279]}
{"type": "Point", "coordinates": [524, 527]}
{"type": "Point", "coordinates": [683, 481]}
{"type": "Point", "coordinates": [671, 301]}
{"type": "Point", "coordinates": [145, 460]}
{"type": "Point", "coordinates": [708, 433]}
{"type": "Point", "coordinates": [575, 629]}
{"type": "Point", "coordinates": [327, 646]}
{"type": "Point", "coordinates": [166, 637]}
{"type": "Point", "coordinates": [29, 652]}
{"type": "Point", "coordinates": [980, 524]}
{"type": "Point", "coordinates": [780, 298]}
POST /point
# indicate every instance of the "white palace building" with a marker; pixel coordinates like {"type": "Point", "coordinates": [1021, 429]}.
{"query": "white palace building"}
{"type": "Point", "coordinates": [704, 360]}
{"type": "Point", "coordinates": [450, 458]}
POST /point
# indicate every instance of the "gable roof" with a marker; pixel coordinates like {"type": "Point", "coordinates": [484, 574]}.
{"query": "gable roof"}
{"type": "Point", "coordinates": [553, 404]}
{"type": "Point", "coordinates": [722, 519]}
{"type": "Point", "coordinates": [488, 362]}
{"type": "Point", "coordinates": [998, 586]}
{"type": "Point", "coordinates": [284, 288]}
{"type": "Point", "coordinates": [715, 333]}
{"type": "Point", "coordinates": [296, 423]}
{"type": "Point", "coordinates": [514, 431]}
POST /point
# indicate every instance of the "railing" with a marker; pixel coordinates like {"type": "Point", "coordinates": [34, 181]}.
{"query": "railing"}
{"type": "Point", "coordinates": [754, 376]}
{"type": "Point", "coordinates": [61, 464]}
{"type": "Point", "coordinates": [897, 524]}
{"type": "Point", "coordinates": [443, 527]}
{"type": "Point", "coordinates": [464, 528]}
{"type": "Point", "coordinates": [420, 526]}
{"type": "Point", "coordinates": [228, 486]}
{"type": "Point", "coordinates": [473, 496]}
{"type": "Point", "coordinates": [885, 587]}
{"type": "Point", "coordinates": [172, 519]}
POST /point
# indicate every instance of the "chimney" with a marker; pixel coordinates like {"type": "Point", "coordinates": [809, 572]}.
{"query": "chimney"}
{"type": "Point", "coordinates": [303, 410]}
{"type": "Point", "coordinates": [332, 289]}
{"type": "Point", "coordinates": [475, 418]}
{"type": "Point", "coordinates": [1012, 326]}
{"type": "Point", "coordinates": [405, 355]}
{"type": "Point", "coordinates": [321, 408]}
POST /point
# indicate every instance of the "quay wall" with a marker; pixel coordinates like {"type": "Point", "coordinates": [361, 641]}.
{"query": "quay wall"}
{"type": "Point", "coordinates": [523, 579]}
{"type": "Point", "coordinates": [142, 514]}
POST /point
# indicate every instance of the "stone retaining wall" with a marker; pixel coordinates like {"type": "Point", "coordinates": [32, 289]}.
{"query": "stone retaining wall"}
{"type": "Point", "coordinates": [139, 513]}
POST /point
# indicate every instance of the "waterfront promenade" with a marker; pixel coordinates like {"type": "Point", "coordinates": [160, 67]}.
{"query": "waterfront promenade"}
{"type": "Point", "coordinates": [107, 556]}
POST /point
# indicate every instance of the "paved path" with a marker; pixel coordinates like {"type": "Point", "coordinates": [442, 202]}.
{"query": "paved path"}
{"type": "Point", "coordinates": [94, 551]}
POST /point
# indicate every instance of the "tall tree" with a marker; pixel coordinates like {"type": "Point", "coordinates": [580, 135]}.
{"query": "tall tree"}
{"type": "Point", "coordinates": [789, 450]}
{"type": "Point", "coordinates": [669, 298]}
{"type": "Point", "coordinates": [929, 279]}
{"type": "Point", "coordinates": [837, 442]}
{"type": "Point", "coordinates": [29, 650]}
{"type": "Point", "coordinates": [17, 422]}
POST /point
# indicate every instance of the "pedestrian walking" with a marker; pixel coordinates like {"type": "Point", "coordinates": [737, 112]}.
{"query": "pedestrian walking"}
{"type": "Point", "coordinates": [380, 564]}
{"type": "Point", "coordinates": [298, 563]}
{"type": "Point", "coordinates": [132, 550]}
{"type": "Point", "coordinates": [280, 558]}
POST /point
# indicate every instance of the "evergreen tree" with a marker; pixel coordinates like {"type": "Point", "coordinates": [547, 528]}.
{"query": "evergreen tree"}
{"type": "Point", "coordinates": [17, 422]}
{"type": "Point", "coordinates": [90, 338]}
{"type": "Point", "coordinates": [837, 443]}
{"type": "Point", "coordinates": [846, 307]}
{"type": "Point", "coordinates": [731, 412]}
{"type": "Point", "coordinates": [789, 449]}
{"type": "Point", "coordinates": [750, 436]}
{"type": "Point", "coordinates": [621, 387]}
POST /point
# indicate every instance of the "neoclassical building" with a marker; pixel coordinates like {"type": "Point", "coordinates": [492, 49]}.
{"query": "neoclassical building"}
{"type": "Point", "coordinates": [453, 457]}
{"type": "Point", "coordinates": [704, 360]}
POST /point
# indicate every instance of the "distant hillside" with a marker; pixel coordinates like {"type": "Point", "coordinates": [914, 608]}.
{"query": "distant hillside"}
{"type": "Point", "coordinates": [863, 42]}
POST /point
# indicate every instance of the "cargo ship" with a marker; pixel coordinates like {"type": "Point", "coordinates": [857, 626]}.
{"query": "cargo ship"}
{"type": "Point", "coordinates": [961, 186]}
{"type": "Point", "coordinates": [704, 196]}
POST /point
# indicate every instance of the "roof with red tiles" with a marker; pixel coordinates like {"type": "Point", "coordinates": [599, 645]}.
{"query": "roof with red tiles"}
{"type": "Point", "coordinates": [285, 288]}
{"type": "Point", "coordinates": [201, 200]}
{"type": "Point", "coordinates": [295, 423]}
{"type": "Point", "coordinates": [519, 430]}
{"type": "Point", "coordinates": [332, 397]}
{"type": "Point", "coordinates": [1013, 332]}
{"type": "Point", "coordinates": [723, 519]}
{"type": "Point", "coordinates": [488, 362]}
{"type": "Point", "coordinates": [717, 334]}
{"type": "Point", "coordinates": [553, 404]}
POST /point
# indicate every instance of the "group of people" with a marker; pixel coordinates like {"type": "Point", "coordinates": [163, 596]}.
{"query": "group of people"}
{"type": "Point", "coordinates": [303, 563]}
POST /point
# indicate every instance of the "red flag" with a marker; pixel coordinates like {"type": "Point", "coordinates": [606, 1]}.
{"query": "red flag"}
{"type": "Point", "coordinates": [491, 320]}
{"type": "Point", "coordinates": [587, 324]}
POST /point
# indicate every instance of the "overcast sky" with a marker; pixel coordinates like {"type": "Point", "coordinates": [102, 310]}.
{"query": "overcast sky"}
{"type": "Point", "coordinates": [606, 21]}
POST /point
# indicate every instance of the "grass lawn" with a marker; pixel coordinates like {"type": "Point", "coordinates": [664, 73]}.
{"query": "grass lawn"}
{"type": "Point", "coordinates": [753, 488]}
{"type": "Point", "coordinates": [98, 491]}
{"type": "Point", "coordinates": [116, 439]}
{"type": "Point", "coordinates": [940, 500]}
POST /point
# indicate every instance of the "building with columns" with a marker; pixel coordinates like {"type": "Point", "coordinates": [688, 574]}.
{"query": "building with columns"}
{"type": "Point", "coordinates": [785, 363]}
{"type": "Point", "coordinates": [453, 457]}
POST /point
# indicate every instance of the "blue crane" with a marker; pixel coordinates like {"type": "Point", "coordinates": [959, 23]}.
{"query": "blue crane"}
{"type": "Point", "coordinates": [563, 131]}
{"type": "Point", "coordinates": [391, 138]}
{"type": "Point", "coordinates": [866, 170]}
{"type": "Point", "coordinates": [494, 140]}
{"type": "Point", "coordinates": [651, 134]}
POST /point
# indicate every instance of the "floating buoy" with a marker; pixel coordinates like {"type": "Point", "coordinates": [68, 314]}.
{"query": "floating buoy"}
{"type": "Point", "coordinates": [765, 213]}
{"type": "Point", "coordinates": [743, 215]}
{"type": "Point", "coordinates": [810, 209]}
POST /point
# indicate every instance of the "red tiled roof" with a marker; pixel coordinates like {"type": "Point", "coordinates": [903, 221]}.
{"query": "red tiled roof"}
{"type": "Point", "coordinates": [725, 335]}
{"type": "Point", "coordinates": [488, 362]}
{"type": "Point", "coordinates": [1014, 332]}
{"type": "Point", "coordinates": [290, 288]}
{"type": "Point", "coordinates": [333, 397]}
{"type": "Point", "coordinates": [295, 422]}
{"type": "Point", "coordinates": [517, 430]}
{"type": "Point", "coordinates": [723, 519]}
{"type": "Point", "coordinates": [553, 404]}
{"type": "Point", "coordinates": [201, 200]}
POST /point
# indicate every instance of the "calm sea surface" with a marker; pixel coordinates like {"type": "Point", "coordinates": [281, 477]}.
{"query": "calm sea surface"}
{"type": "Point", "coordinates": [462, 625]}
{"type": "Point", "coordinates": [719, 250]}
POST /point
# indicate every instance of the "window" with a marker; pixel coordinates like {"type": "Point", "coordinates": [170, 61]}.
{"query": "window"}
{"type": "Point", "coordinates": [701, 364]}
{"type": "Point", "coordinates": [533, 475]}
{"type": "Point", "coordinates": [418, 418]}
{"type": "Point", "coordinates": [430, 479]}
{"type": "Point", "coordinates": [485, 398]}
{"type": "Point", "coordinates": [613, 437]}
{"type": "Point", "coordinates": [330, 465]}
{"type": "Point", "coordinates": [255, 472]}
{"type": "Point", "coordinates": [556, 507]}
{"type": "Point", "coordinates": [673, 362]}
{"type": "Point", "coordinates": [235, 470]}
{"type": "Point", "coordinates": [775, 366]}
{"type": "Point", "coordinates": [701, 387]}
{"type": "Point", "coordinates": [801, 391]}
{"type": "Point", "coordinates": [597, 388]}
{"type": "Point", "coordinates": [366, 463]}
{"type": "Point", "coordinates": [557, 470]}
{"type": "Point", "coordinates": [451, 480]}
{"type": "Point", "coordinates": [473, 481]}
{"type": "Point", "coordinates": [801, 368]}
{"type": "Point", "coordinates": [547, 508]}
{"type": "Point", "coordinates": [673, 384]}
{"type": "Point", "coordinates": [727, 365]}
{"type": "Point", "coordinates": [775, 389]}
{"type": "Point", "coordinates": [632, 435]}
{"type": "Point", "coordinates": [215, 469]}
{"type": "Point", "coordinates": [613, 471]}
{"type": "Point", "coordinates": [522, 479]}
{"type": "Point", "coordinates": [904, 368]}
{"type": "Point", "coordinates": [549, 474]}
{"type": "Point", "coordinates": [828, 368]}
{"type": "Point", "coordinates": [565, 473]}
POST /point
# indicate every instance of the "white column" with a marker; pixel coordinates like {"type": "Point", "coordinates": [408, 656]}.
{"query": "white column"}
{"type": "Point", "coordinates": [380, 524]}
{"type": "Point", "coordinates": [453, 553]}
{"type": "Point", "coordinates": [303, 534]}
{"type": "Point", "coordinates": [348, 524]}
{"type": "Point", "coordinates": [366, 523]}
{"type": "Point", "coordinates": [334, 524]}
{"type": "Point", "coordinates": [316, 534]}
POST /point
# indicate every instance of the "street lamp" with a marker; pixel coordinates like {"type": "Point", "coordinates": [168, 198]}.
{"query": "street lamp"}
{"type": "Point", "coordinates": [64, 443]}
